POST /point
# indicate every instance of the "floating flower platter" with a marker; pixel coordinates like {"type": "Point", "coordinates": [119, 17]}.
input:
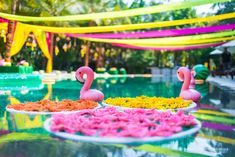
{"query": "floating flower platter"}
{"type": "Point", "coordinates": [48, 107]}
{"type": "Point", "coordinates": [136, 126]}
{"type": "Point", "coordinates": [158, 103]}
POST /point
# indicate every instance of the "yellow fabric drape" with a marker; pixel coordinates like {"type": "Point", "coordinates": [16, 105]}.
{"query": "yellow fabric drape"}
{"type": "Point", "coordinates": [115, 14]}
{"type": "Point", "coordinates": [41, 39]}
{"type": "Point", "coordinates": [190, 42]}
{"type": "Point", "coordinates": [3, 26]}
{"type": "Point", "coordinates": [171, 46]}
{"type": "Point", "coordinates": [20, 36]}
{"type": "Point", "coordinates": [131, 26]}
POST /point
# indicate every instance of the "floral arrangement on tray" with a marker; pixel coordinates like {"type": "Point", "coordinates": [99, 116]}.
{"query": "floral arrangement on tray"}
{"type": "Point", "coordinates": [53, 106]}
{"type": "Point", "coordinates": [109, 122]}
{"type": "Point", "coordinates": [149, 102]}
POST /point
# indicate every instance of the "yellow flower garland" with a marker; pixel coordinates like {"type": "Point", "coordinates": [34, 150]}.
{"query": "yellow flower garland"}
{"type": "Point", "coordinates": [149, 102]}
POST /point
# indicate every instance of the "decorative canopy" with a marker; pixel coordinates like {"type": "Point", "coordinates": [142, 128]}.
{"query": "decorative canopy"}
{"type": "Point", "coordinates": [114, 14]}
{"type": "Point", "coordinates": [168, 40]}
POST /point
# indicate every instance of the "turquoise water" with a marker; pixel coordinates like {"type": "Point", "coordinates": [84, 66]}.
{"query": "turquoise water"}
{"type": "Point", "coordinates": [24, 136]}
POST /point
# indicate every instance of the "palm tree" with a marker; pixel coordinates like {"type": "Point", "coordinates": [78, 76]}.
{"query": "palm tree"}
{"type": "Point", "coordinates": [54, 8]}
{"type": "Point", "coordinates": [91, 6]}
{"type": "Point", "coordinates": [15, 7]}
{"type": "Point", "coordinates": [105, 6]}
{"type": "Point", "coordinates": [10, 32]}
{"type": "Point", "coordinates": [222, 8]}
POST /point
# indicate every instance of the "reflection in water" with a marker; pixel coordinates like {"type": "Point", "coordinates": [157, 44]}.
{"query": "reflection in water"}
{"type": "Point", "coordinates": [225, 98]}
{"type": "Point", "coordinates": [26, 123]}
{"type": "Point", "coordinates": [53, 148]}
{"type": "Point", "coordinates": [30, 145]}
{"type": "Point", "coordinates": [221, 98]}
{"type": "Point", "coordinates": [112, 87]}
{"type": "Point", "coordinates": [203, 89]}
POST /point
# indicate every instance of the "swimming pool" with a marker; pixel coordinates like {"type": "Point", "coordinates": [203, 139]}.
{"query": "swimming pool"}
{"type": "Point", "coordinates": [24, 136]}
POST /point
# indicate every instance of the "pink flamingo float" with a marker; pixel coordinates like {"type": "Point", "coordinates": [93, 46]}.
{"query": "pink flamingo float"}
{"type": "Point", "coordinates": [186, 93]}
{"type": "Point", "coordinates": [86, 92]}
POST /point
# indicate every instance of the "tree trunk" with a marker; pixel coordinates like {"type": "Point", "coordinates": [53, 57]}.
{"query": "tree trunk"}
{"type": "Point", "coordinates": [91, 23]}
{"type": "Point", "coordinates": [100, 56]}
{"type": "Point", "coordinates": [157, 58]}
{"type": "Point", "coordinates": [188, 59]}
{"type": "Point", "coordinates": [10, 32]}
{"type": "Point", "coordinates": [175, 58]}
{"type": "Point", "coordinates": [87, 53]}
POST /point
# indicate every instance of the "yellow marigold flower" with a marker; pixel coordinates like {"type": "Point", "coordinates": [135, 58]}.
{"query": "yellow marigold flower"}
{"type": "Point", "coordinates": [149, 102]}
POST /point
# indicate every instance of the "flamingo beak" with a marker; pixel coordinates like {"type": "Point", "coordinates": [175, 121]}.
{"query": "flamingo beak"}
{"type": "Point", "coordinates": [180, 76]}
{"type": "Point", "coordinates": [79, 79]}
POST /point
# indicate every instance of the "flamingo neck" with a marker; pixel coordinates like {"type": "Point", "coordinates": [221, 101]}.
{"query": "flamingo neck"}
{"type": "Point", "coordinates": [88, 82]}
{"type": "Point", "coordinates": [192, 82]}
{"type": "Point", "coordinates": [187, 79]}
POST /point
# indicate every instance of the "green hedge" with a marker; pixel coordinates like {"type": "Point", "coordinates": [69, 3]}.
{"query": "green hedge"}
{"type": "Point", "coordinates": [113, 71]}
{"type": "Point", "coordinates": [122, 71]}
{"type": "Point", "coordinates": [100, 70]}
{"type": "Point", "coordinates": [16, 69]}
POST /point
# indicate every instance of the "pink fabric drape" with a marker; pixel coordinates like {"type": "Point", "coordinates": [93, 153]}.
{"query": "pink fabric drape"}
{"type": "Point", "coordinates": [3, 20]}
{"type": "Point", "coordinates": [158, 33]}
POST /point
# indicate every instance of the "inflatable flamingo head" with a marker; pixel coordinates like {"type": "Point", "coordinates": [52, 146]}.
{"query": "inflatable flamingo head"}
{"type": "Point", "coordinates": [81, 71]}
{"type": "Point", "coordinates": [183, 72]}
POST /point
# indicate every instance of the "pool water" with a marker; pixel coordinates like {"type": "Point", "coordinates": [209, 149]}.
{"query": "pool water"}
{"type": "Point", "coordinates": [24, 136]}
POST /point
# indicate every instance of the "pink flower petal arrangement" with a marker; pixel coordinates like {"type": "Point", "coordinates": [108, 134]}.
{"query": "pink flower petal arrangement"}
{"type": "Point", "coordinates": [109, 122]}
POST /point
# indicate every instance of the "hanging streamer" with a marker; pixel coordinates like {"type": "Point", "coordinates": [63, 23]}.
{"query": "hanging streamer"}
{"type": "Point", "coordinates": [184, 40]}
{"type": "Point", "coordinates": [168, 48]}
{"type": "Point", "coordinates": [115, 14]}
{"type": "Point", "coordinates": [131, 26]}
{"type": "Point", "coordinates": [189, 42]}
{"type": "Point", "coordinates": [159, 33]}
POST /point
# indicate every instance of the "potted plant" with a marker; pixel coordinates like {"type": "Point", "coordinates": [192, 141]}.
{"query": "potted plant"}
{"type": "Point", "coordinates": [101, 70]}
{"type": "Point", "coordinates": [122, 71]}
{"type": "Point", "coordinates": [113, 71]}
{"type": "Point", "coordinates": [201, 73]}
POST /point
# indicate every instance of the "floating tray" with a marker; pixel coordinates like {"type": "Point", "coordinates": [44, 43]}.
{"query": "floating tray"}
{"type": "Point", "coordinates": [121, 140]}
